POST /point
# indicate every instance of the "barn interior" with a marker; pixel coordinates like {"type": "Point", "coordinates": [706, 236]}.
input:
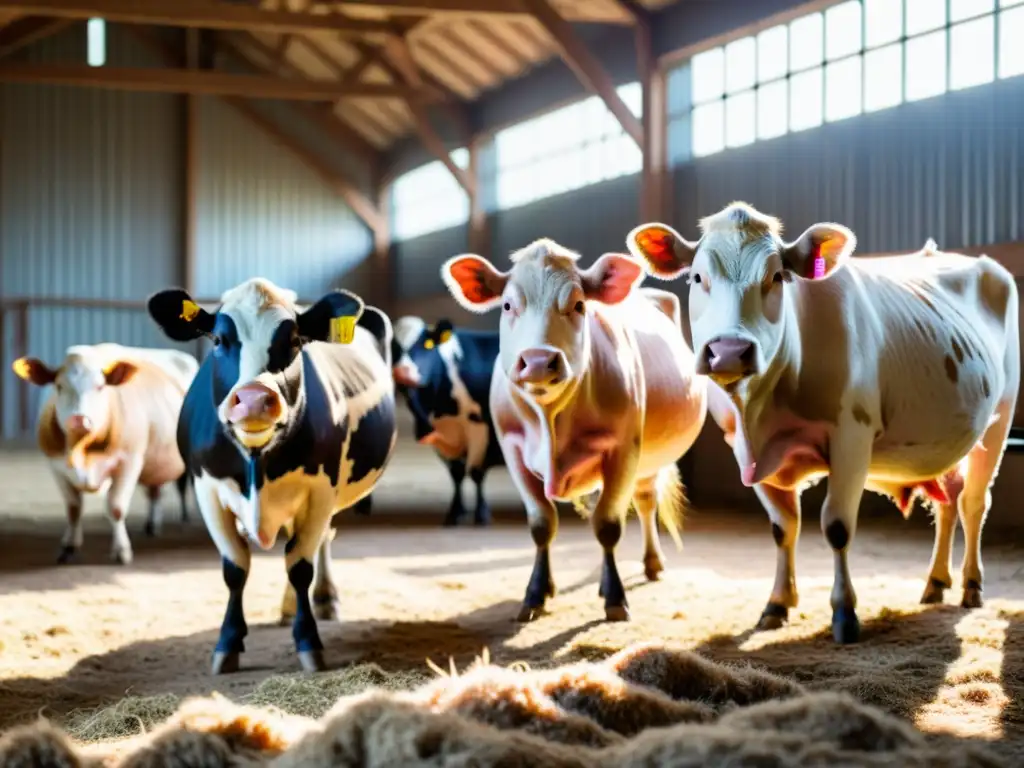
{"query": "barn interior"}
{"type": "Point", "coordinates": [360, 145]}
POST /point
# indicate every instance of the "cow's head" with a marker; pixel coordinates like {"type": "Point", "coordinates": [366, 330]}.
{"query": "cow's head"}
{"type": "Point", "coordinates": [258, 334]}
{"type": "Point", "coordinates": [544, 335]}
{"type": "Point", "coordinates": [81, 386]}
{"type": "Point", "coordinates": [739, 275]}
{"type": "Point", "coordinates": [416, 351]}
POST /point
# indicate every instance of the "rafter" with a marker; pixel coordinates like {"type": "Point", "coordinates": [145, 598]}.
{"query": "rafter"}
{"type": "Point", "coordinates": [490, 8]}
{"type": "Point", "coordinates": [197, 82]}
{"type": "Point", "coordinates": [24, 32]}
{"type": "Point", "coordinates": [586, 67]}
{"type": "Point", "coordinates": [195, 13]}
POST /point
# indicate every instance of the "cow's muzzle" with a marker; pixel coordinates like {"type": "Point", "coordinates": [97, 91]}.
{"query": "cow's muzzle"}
{"type": "Point", "coordinates": [540, 369]}
{"type": "Point", "coordinates": [253, 412]}
{"type": "Point", "coordinates": [728, 359]}
{"type": "Point", "coordinates": [406, 375]}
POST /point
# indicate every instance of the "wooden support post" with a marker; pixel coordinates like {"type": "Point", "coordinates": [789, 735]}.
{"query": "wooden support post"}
{"type": "Point", "coordinates": [191, 180]}
{"type": "Point", "coordinates": [652, 83]}
{"type": "Point", "coordinates": [479, 234]}
{"type": "Point", "coordinates": [20, 350]}
{"type": "Point", "coordinates": [382, 264]}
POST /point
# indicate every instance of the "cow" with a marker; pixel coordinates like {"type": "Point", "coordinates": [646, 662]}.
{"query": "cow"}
{"type": "Point", "coordinates": [894, 374]}
{"type": "Point", "coordinates": [107, 427]}
{"type": "Point", "coordinates": [444, 375]}
{"type": "Point", "coordinates": [593, 395]}
{"type": "Point", "coordinates": [281, 429]}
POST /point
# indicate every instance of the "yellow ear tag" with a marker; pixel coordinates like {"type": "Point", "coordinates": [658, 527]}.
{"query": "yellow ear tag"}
{"type": "Point", "coordinates": [189, 309]}
{"type": "Point", "coordinates": [343, 330]}
{"type": "Point", "coordinates": [428, 344]}
{"type": "Point", "coordinates": [445, 335]}
{"type": "Point", "coordinates": [21, 368]}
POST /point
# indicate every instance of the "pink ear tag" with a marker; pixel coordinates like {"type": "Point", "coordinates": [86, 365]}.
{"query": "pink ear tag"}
{"type": "Point", "coordinates": [819, 267]}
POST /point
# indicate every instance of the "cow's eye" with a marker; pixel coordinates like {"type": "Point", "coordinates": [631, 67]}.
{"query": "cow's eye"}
{"type": "Point", "coordinates": [507, 306]}
{"type": "Point", "coordinates": [580, 307]}
{"type": "Point", "coordinates": [696, 278]}
{"type": "Point", "coordinates": [216, 340]}
{"type": "Point", "coordinates": [777, 277]}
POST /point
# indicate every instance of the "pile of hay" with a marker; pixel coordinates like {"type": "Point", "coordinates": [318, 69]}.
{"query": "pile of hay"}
{"type": "Point", "coordinates": [647, 705]}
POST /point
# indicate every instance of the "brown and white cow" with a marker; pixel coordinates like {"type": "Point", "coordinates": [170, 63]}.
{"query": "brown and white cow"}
{"type": "Point", "coordinates": [593, 391]}
{"type": "Point", "coordinates": [109, 425]}
{"type": "Point", "coordinates": [895, 374]}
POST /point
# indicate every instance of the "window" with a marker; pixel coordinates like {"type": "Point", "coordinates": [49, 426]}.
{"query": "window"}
{"type": "Point", "coordinates": [96, 42]}
{"type": "Point", "coordinates": [428, 198]}
{"type": "Point", "coordinates": [571, 147]}
{"type": "Point", "coordinates": [853, 57]}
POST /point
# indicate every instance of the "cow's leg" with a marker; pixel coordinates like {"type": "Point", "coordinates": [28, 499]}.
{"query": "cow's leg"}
{"type": "Point", "coordinates": [300, 552]}
{"type": "Point", "coordinates": [542, 517]}
{"type": "Point", "coordinates": [153, 518]}
{"type": "Point", "coordinates": [976, 499]}
{"type": "Point", "coordinates": [608, 520]}
{"type": "Point", "coordinates": [457, 469]}
{"type": "Point", "coordinates": [849, 458]}
{"type": "Point", "coordinates": [939, 576]}
{"type": "Point", "coordinates": [325, 594]}
{"type": "Point", "coordinates": [477, 437]}
{"type": "Point", "coordinates": [71, 541]}
{"type": "Point", "coordinates": [783, 509]}
{"type": "Point", "coordinates": [182, 485]}
{"type": "Point", "coordinates": [235, 559]}
{"type": "Point", "coordinates": [645, 499]}
{"type": "Point", "coordinates": [125, 479]}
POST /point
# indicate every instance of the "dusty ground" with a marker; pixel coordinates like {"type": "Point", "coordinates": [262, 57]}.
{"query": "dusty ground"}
{"type": "Point", "coordinates": [82, 636]}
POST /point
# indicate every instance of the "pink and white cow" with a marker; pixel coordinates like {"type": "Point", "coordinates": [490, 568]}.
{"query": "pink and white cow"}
{"type": "Point", "coordinates": [593, 392]}
{"type": "Point", "coordinates": [895, 374]}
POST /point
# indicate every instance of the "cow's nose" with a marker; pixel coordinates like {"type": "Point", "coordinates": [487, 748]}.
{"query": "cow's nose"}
{"type": "Point", "coordinates": [406, 375]}
{"type": "Point", "coordinates": [541, 366]}
{"type": "Point", "coordinates": [730, 355]}
{"type": "Point", "coordinates": [78, 423]}
{"type": "Point", "coordinates": [254, 401]}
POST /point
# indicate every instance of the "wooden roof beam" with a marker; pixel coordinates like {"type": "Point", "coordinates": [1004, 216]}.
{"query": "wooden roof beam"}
{"type": "Point", "coordinates": [198, 82]}
{"type": "Point", "coordinates": [23, 32]}
{"type": "Point", "coordinates": [195, 13]}
{"type": "Point", "coordinates": [491, 8]}
{"type": "Point", "coordinates": [586, 67]}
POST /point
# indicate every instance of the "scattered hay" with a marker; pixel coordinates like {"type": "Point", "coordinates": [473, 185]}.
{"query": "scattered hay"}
{"type": "Point", "coordinates": [648, 705]}
{"type": "Point", "coordinates": [130, 716]}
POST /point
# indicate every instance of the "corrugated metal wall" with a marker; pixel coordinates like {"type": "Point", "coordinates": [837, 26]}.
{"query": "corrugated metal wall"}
{"type": "Point", "coordinates": [262, 212]}
{"type": "Point", "coordinates": [80, 214]}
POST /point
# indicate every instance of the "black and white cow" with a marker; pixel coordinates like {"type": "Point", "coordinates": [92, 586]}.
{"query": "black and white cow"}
{"type": "Point", "coordinates": [281, 430]}
{"type": "Point", "coordinates": [444, 375]}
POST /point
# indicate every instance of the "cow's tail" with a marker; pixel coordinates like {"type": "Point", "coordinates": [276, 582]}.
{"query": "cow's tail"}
{"type": "Point", "coordinates": [671, 502]}
{"type": "Point", "coordinates": [379, 326]}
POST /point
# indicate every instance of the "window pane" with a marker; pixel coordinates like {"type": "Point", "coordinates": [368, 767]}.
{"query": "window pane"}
{"type": "Point", "coordinates": [926, 66]}
{"type": "Point", "coordinates": [96, 42]}
{"type": "Point", "coordinates": [621, 156]}
{"type": "Point", "coordinates": [883, 21]}
{"type": "Point", "coordinates": [842, 30]}
{"type": "Point", "coordinates": [972, 53]}
{"type": "Point", "coordinates": [966, 9]}
{"type": "Point", "coordinates": [1008, 3]}
{"type": "Point", "coordinates": [740, 119]}
{"type": "Point", "coordinates": [1011, 52]}
{"type": "Point", "coordinates": [805, 100]}
{"type": "Point", "coordinates": [883, 78]}
{"type": "Point", "coordinates": [772, 109]}
{"type": "Point", "coordinates": [923, 15]}
{"type": "Point", "coordinates": [843, 89]}
{"type": "Point", "coordinates": [708, 129]}
{"type": "Point", "coordinates": [708, 70]}
{"type": "Point", "coordinates": [632, 94]}
{"type": "Point", "coordinates": [514, 187]}
{"type": "Point", "coordinates": [773, 53]}
{"type": "Point", "coordinates": [806, 40]}
{"type": "Point", "coordinates": [740, 61]}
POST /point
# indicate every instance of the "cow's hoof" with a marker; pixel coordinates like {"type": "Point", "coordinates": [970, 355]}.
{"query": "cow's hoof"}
{"type": "Point", "coordinates": [972, 598]}
{"type": "Point", "coordinates": [286, 620]}
{"type": "Point", "coordinates": [845, 627]}
{"type": "Point", "coordinates": [653, 568]}
{"type": "Point", "coordinates": [616, 612]}
{"type": "Point", "coordinates": [312, 661]}
{"type": "Point", "coordinates": [934, 592]}
{"type": "Point", "coordinates": [529, 612]}
{"type": "Point", "coordinates": [122, 556]}
{"type": "Point", "coordinates": [225, 662]}
{"type": "Point", "coordinates": [67, 554]}
{"type": "Point", "coordinates": [328, 609]}
{"type": "Point", "coordinates": [450, 521]}
{"type": "Point", "coordinates": [774, 616]}
{"type": "Point", "coordinates": [151, 529]}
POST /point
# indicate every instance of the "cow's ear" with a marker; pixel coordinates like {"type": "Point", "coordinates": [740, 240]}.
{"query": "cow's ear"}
{"type": "Point", "coordinates": [819, 250]}
{"type": "Point", "coordinates": [474, 282]}
{"type": "Point", "coordinates": [664, 252]}
{"type": "Point", "coordinates": [34, 370]}
{"type": "Point", "coordinates": [120, 373]}
{"type": "Point", "coordinates": [178, 316]}
{"type": "Point", "coordinates": [611, 278]}
{"type": "Point", "coordinates": [332, 318]}
{"type": "Point", "coordinates": [443, 331]}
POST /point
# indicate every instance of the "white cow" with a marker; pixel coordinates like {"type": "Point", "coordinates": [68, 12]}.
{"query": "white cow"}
{"type": "Point", "coordinates": [895, 374]}
{"type": "Point", "coordinates": [593, 391]}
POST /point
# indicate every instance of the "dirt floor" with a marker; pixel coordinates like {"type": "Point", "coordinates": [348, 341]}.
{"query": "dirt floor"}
{"type": "Point", "coordinates": [77, 637]}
